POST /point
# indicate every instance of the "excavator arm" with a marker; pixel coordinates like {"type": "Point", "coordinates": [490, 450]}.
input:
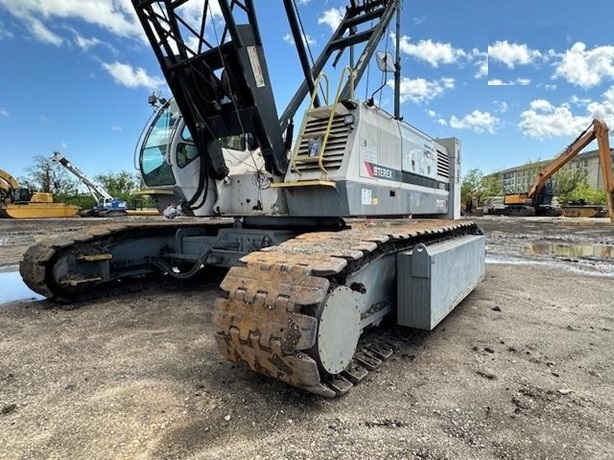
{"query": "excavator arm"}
{"type": "Point", "coordinates": [598, 130]}
{"type": "Point", "coordinates": [7, 183]}
{"type": "Point", "coordinates": [605, 158]}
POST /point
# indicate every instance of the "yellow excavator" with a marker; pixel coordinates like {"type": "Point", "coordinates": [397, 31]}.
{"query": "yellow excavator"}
{"type": "Point", "coordinates": [23, 203]}
{"type": "Point", "coordinates": [538, 201]}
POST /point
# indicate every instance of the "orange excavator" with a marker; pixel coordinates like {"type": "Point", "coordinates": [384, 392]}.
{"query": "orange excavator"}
{"type": "Point", "coordinates": [538, 201]}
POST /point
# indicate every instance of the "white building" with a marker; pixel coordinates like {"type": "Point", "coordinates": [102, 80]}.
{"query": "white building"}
{"type": "Point", "coordinates": [520, 178]}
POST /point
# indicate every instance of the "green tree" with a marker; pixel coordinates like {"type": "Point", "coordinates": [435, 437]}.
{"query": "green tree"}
{"type": "Point", "coordinates": [567, 180]}
{"type": "Point", "coordinates": [45, 175]}
{"type": "Point", "coordinates": [119, 185]}
{"type": "Point", "coordinates": [584, 193]}
{"type": "Point", "coordinates": [471, 186]}
{"type": "Point", "coordinates": [492, 185]}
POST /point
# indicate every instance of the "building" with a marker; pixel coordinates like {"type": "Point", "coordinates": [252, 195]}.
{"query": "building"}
{"type": "Point", "coordinates": [520, 178]}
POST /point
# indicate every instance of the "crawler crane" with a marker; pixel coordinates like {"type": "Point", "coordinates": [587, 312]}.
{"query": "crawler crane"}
{"type": "Point", "coordinates": [106, 205]}
{"type": "Point", "coordinates": [309, 275]}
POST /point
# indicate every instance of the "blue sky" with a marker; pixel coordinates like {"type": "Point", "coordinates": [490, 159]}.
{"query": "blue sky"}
{"type": "Point", "coordinates": [514, 81]}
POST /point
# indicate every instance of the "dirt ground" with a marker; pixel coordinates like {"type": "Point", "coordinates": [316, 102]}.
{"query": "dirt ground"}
{"type": "Point", "coordinates": [522, 369]}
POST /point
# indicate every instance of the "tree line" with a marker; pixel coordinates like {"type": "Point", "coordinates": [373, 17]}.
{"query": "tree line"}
{"type": "Point", "coordinates": [46, 175]}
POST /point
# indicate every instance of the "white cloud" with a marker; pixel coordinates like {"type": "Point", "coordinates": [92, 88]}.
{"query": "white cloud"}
{"type": "Point", "coordinates": [116, 16]}
{"type": "Point", "coordinates": [436, 117]}
{"type": "Point", "coordinates": [417, 20]}
{"type": "Point", "coordinates": [116, 128]}
{"type": "Point", "coordinates": [420, 90]}
{"type": "Point", "coordinates": [332, 18]}
{"type": "Point", "coordinates": [4, 32]}
{"type": "Point", "coordinates": [518, 81]}
{"type": "Point", "coordinates": [501, 106]}
{"type": "Point", "coordinates": [541, 104]}
{"type": "Point", "coordinates": [542, 120]}
{"type": "Point", "coordinates": [4, 112]}
{"type": "Point", "coordinates": [306, 39]}
{"type": "Point", "coordinates": [476, 121]}
{"type": "Point", "coordinates": [42, 32]}
{"type": "Point", "coordinates": [86, 43]}
{"type": "Point", "coordinates": [482, 64]}
{"type": "Point", "coordinates": [126, 75]}
{"type": "Point", "coordinates": [579, 100]}
{"type": "Point", "coordinates": [586, 68]}
{"type": "Point", "coordinates": [512, 54]}
{"type": "Point", "coordinates": [603, 109]}
{"type": "Point", "coordinates": [435, 53]}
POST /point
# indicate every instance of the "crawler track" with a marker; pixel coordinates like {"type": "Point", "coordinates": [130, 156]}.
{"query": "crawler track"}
{"type": "Point", "coordinates": [40, 266]}
{"type": "Point", "coordinates": [269, 319]}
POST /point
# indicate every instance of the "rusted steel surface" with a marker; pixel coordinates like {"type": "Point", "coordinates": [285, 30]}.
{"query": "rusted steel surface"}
{"type": "Point", "coordinates": [269, 319]}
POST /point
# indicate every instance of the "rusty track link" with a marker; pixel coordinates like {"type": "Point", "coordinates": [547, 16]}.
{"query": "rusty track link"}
{"type": "Point", "coordinates": [268, 321]}
{"type": "Point", "coordinates": [37, 266]}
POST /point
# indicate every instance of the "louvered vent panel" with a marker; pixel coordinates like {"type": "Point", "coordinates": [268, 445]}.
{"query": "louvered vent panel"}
{"type": "Point", "coordinates": [335, 145]}
{"type": "Point", "coordinates": [443, 165]}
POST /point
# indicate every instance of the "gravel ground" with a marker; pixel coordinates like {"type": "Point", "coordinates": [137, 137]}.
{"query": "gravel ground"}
{"type": "Point", "coordinates": [522, 369]}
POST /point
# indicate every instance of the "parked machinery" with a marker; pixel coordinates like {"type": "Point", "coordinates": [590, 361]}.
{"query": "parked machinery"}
{"type": "Point", "coordinates": [106, 205]}
{"type": "Point", "coordinates": [309, 274]}
{"type": "Point", "coordinates": [538, 201]}
{"type": "Point", "coordinates": [18, 202]}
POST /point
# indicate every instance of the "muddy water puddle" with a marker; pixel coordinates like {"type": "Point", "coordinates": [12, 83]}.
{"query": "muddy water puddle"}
{"type": "Point", "coordinates": [13, 288]}
{"type": "Point", "coordinates": [587, 259]}
{"type": "Point", "coordinates": [599, 251]}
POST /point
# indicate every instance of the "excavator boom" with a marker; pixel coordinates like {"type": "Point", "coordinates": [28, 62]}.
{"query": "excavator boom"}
{"type": "Point", "coordinates": [536, 202]}
{"type": "Point", "coordinates": [7, 182]}
{"type": "Point", "coordinates": [585, 138]}
{"type": "Point", "coordinates": [598, 130]}
{"type": "Point", "coordinates": [605, 158]}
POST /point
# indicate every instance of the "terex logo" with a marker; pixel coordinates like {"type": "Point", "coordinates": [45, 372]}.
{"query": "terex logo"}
{"type": "Point", "coordinates": [378, 171]}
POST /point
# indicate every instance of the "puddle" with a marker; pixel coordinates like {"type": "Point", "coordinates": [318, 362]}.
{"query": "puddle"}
{"type": "Point", "coordinates": [605, 269]}
{"type": "Point", "coordinates": [13, 288]}
{"type": "Point", "coordinates": [600, 251]}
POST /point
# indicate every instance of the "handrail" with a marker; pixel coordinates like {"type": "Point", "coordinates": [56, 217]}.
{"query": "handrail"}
{"type": "Point", "coordinates": [326, 133]}
{"type": "Point", "coordinates": [351, 76]}
{"type": "Point", "coordinates": [297, 147]}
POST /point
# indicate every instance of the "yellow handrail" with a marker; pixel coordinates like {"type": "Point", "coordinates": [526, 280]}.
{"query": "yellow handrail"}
{"type": "Point", "coordinates": [315, 90]}
{"type": "Point", "coordinates": [322, 148]}
{"type": "Point", "coordinates": [329, 125]}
